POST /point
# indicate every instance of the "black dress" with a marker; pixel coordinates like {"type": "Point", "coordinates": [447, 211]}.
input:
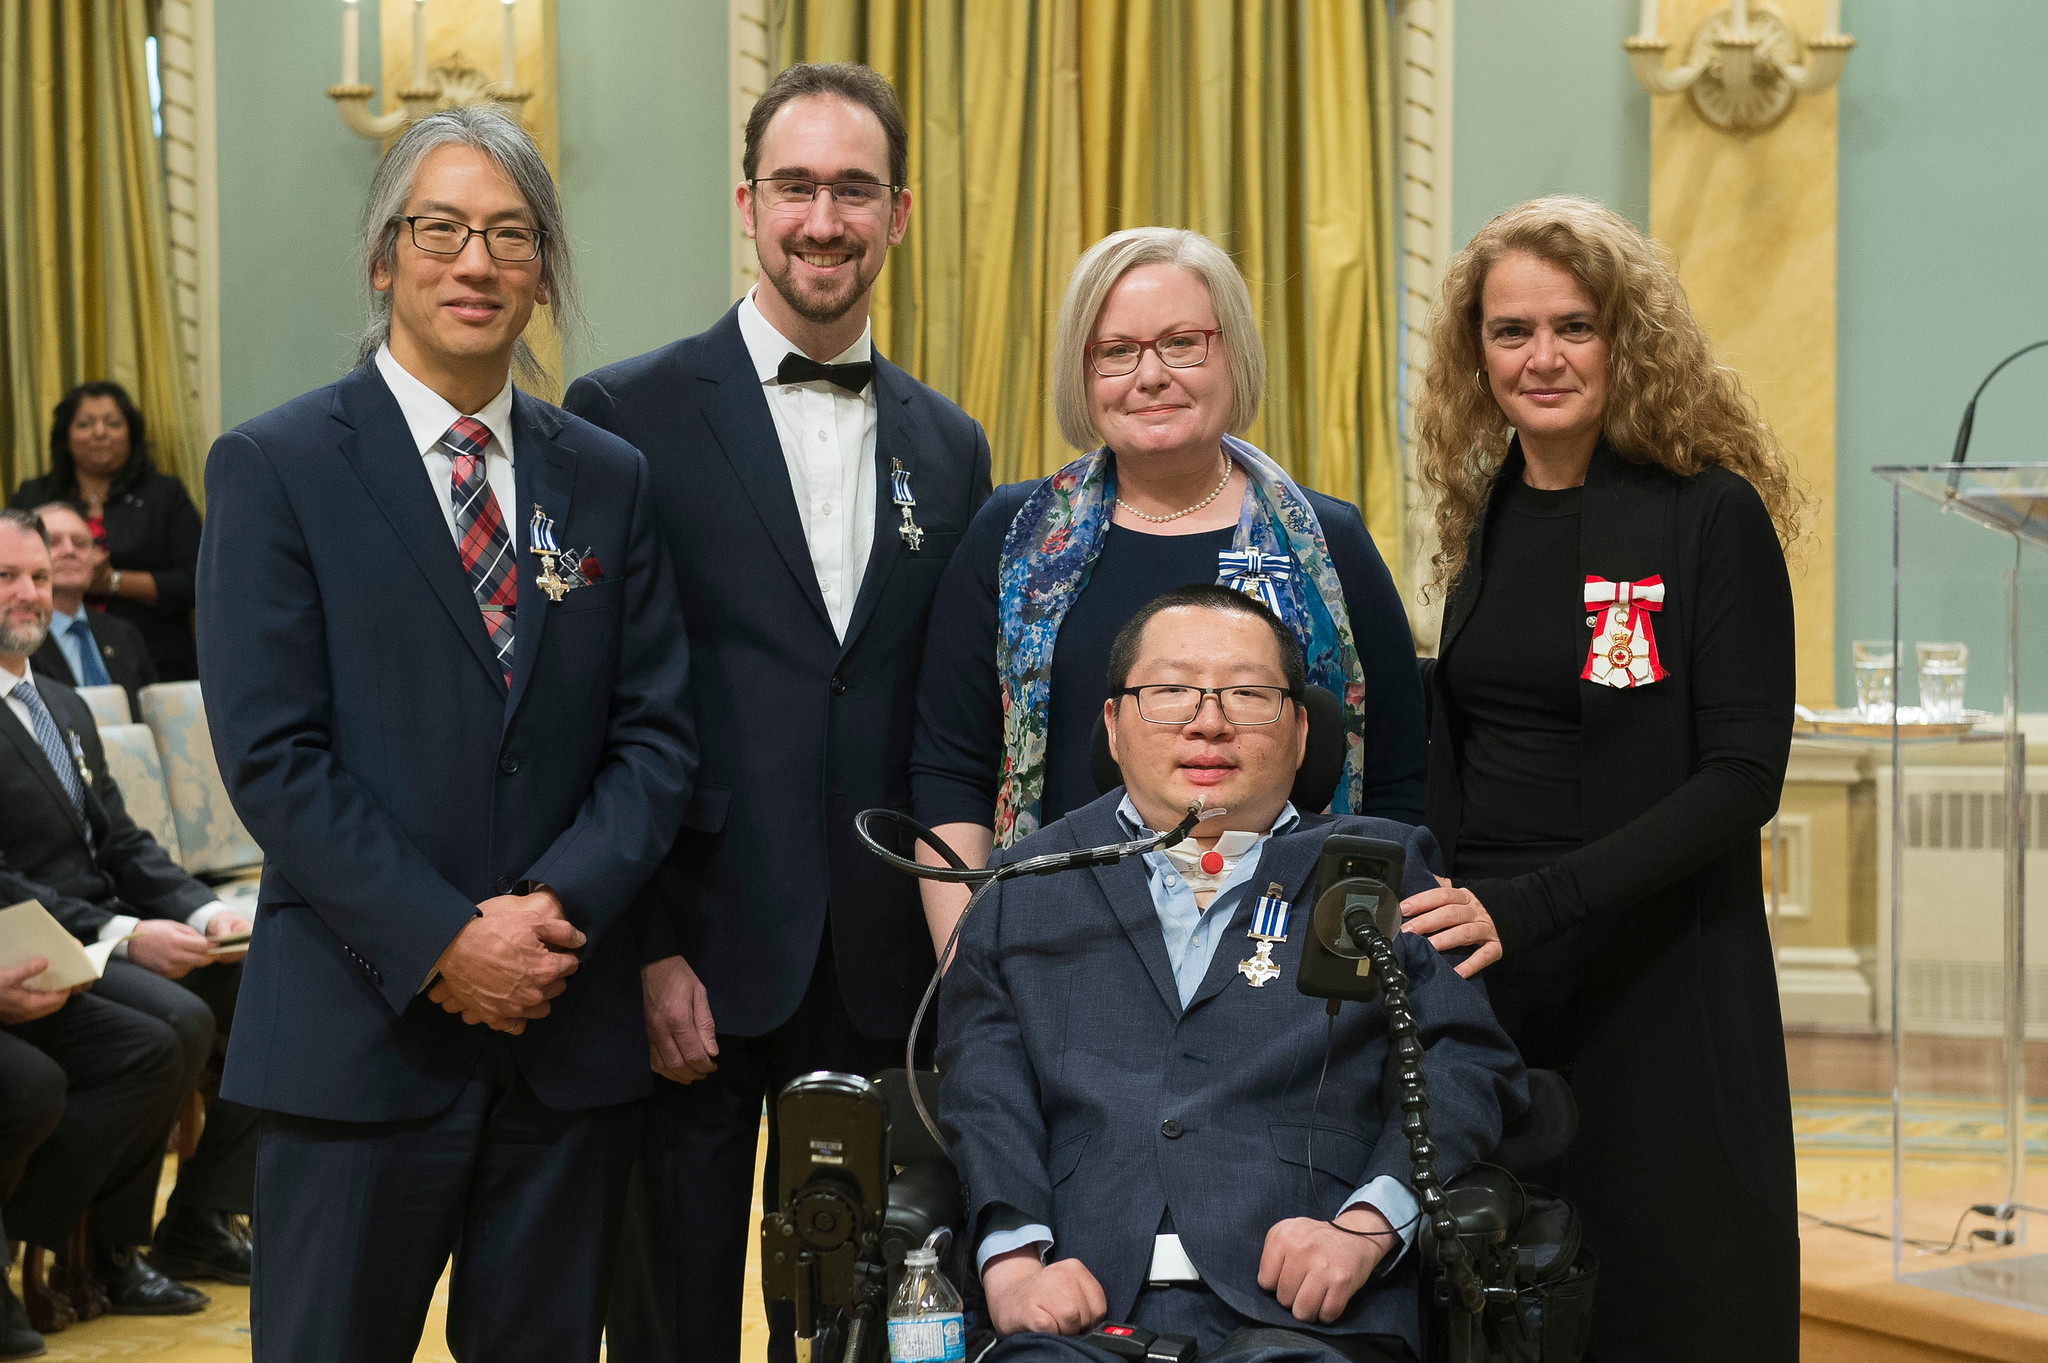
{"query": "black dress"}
{"type": "Point", "coordinates": [956, 761]}
{"type": "Point", "coordinates": [151, 527]}
{"type": "Point", "coordinates": [1614, 839]}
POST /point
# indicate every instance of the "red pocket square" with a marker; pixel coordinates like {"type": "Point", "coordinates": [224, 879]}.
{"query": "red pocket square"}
{"type": "Point", "coordinates": [590, 568]}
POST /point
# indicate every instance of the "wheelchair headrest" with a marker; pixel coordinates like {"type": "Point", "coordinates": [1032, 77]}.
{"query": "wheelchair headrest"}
{"type": "Point", "coordinates": [1545, 1131]}
{"type": "Point", "coordinates": [1321, 765]}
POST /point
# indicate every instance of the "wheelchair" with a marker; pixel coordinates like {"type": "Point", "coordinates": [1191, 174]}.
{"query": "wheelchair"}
{"type": "Point", "coordinates": [1504, 1276]}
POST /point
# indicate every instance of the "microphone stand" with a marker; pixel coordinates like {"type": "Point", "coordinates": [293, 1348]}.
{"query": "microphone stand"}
{"type": "Point", "coordinates": [1962, 448]}
{"type": "Point", "coordinates": [984, 879]}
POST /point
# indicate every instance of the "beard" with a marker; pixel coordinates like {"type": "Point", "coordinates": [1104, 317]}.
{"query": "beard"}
{"type": "Point", "coordinates": [823, 309]}
{"type": "Point", "coordinates": [18, 641]}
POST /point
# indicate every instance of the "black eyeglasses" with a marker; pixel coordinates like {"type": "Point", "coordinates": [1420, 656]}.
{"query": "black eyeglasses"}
{"type": "Point", "coordinates": [509, 245]}
{"type": "Point", "coordinates": [1170, 703]}
{"type": "Point", "coordinates": [852, 196]}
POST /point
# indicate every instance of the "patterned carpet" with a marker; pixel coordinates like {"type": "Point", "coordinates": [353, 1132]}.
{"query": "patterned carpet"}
{"type": "Point", "coordinates": [1935, 1128]}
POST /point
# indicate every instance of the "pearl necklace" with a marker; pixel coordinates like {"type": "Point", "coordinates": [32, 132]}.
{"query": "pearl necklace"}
{"type": "Point", "coordinates": [1214, 493]}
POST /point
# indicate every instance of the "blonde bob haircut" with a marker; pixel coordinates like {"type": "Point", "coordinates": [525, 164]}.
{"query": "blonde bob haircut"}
{"type": "Point", "coordinates": [1668, 402]}
{"type": "Point", "coordinates": [1097, 272]}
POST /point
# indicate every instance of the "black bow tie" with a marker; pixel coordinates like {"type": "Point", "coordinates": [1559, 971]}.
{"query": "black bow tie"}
{"type": "Point", "coordinates": [854, 378]}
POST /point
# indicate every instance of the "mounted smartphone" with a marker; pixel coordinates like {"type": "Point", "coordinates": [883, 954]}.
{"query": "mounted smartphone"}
{"type": "Point", "coordinates": [1351, 871]}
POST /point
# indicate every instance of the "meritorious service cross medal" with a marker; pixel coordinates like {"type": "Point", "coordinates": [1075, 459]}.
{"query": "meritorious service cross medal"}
{"type": "Point", "coordinates": [1269, 925]}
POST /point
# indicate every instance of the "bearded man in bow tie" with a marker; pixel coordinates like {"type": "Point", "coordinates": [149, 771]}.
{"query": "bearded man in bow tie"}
{"type": "Point", "coordinates": [810, 493]}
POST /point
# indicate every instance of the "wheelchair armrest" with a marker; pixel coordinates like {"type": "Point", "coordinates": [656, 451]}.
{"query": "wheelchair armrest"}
{"type": "Point", "coordinates": [1486, 1202]}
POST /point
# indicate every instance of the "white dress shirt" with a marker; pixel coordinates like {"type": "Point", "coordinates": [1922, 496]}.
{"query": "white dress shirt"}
{"type": "Point", "coordinates": [428, 416]}
{"type": "Point", "coordinates": [828, 441]}
{"type": "Point", "coordinates": [121, 924]}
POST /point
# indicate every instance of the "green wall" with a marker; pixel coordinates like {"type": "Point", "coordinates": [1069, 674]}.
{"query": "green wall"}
{"type": "Point", "coordinates": [292, 180]}
{"type": "Point", "coordinates": [1943, 271]}
{"type": "Point", "coordinates": [645, 176]}
{"type": "Point", "coordinates": [642, 87]}
{"type": "Point", "coordinates": [1542, 102]}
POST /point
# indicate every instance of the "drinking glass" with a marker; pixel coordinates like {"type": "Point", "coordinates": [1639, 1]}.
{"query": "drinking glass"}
{"type": "Point", "coordinates": [1874, 664]}
{"type": "Point", "coordinates": [1942, 669]}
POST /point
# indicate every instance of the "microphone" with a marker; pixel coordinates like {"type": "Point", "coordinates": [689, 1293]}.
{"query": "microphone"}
{"type": "Point", "coordinates": [1970, 411]}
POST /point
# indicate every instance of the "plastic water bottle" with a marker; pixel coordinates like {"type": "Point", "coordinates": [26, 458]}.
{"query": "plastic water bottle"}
{"type": "Point", "coordinates": [926, 1321]}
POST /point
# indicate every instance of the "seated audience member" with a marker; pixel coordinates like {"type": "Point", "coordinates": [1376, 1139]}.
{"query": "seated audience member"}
{"type": "Point", "coordinates": [91, 1089]}
{"type": "Point", "coordinates": [68, 842]}
{"type": "Point", "coordinates": [86, 647]}
{"type": "Point", "coordinates": [99, 461]}
{"type": "Point", "coordinates": [1129, 1106]}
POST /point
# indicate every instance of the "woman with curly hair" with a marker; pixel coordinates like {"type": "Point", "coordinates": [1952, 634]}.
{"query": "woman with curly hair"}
{"type": "Point", "coordinates": [1610, 719]}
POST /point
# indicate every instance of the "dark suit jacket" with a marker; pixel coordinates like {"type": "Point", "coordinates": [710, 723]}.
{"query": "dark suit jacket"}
{"type": "Point", "coordinates": [84, 870]}
{"type": "Point", "coordinates": [1063, 1050]}
{"type": "Point", "coordinates": [1662, 1000]}
{"type": "Point", "coordinates": [151, 526]}
{"type": "Point", "coordinates": [122, 652]}
{"type": "Point", "coordinates": [800, 732]}
{"type": "Point", "coordinates": [364, 731]}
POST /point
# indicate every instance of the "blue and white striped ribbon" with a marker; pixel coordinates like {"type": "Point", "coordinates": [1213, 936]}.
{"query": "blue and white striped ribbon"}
{"type": "Point", "coordinates": [1256, 573]}
{"type": "Point", "coordinates": [540, 535]}
{"type": "Point", "coordinates": [1269, 918]}
{"type": "Point", "coordinates": [899, 486]}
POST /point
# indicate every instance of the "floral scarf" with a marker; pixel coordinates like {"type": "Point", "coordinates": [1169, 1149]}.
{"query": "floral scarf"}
{"type": "Point", "coordinates": [1050, 551]}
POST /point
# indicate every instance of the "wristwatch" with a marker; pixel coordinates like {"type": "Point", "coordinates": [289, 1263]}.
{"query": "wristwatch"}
{"type": "Point", "coordinates": [114, 583]}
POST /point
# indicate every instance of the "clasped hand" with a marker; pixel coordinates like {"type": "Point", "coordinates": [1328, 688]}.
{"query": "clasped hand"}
{"type": "Point", "coordinates": [1311, 1267]}
{"type": "Point", "coordinates": [505, 965]}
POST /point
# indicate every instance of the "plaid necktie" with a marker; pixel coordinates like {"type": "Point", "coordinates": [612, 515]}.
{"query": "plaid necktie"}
{"type": "Point", "coordinates": [44, 726]}
{"type": "Point", "coordinates": [480, 536]}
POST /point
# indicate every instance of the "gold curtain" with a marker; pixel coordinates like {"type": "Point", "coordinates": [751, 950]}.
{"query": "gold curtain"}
{"type": "Point", "coordinates": [85, 276]}
{"type": "Point", "coordinates": [1040, 126]}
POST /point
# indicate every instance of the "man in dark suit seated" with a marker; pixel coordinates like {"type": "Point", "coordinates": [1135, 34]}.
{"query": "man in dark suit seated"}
{"type": "Point", "coordinates": [1129, 1096]}
{"type": "Point", "coordinates": [66, 840]}
{"type": "Point", "coordinates": [86, 647]}
{"type": "Point", "coordinates": [90, 1090]}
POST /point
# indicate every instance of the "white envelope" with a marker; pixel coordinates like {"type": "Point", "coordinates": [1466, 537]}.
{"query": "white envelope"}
{"type": "Point", "coordinates": [27, 931]}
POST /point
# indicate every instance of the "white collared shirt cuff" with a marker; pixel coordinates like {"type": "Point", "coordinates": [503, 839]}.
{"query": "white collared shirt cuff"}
{"type": "Point", "coordinates": [120, 925]}
{"type": "Point", "coordinates": [1003, 1241]}
{"type": "Point", "coordinates": [1391, 1198]}
{"type": "Point", "coordinates": [205, 914]}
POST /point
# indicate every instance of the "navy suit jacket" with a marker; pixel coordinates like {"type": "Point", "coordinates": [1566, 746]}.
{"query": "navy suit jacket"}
{"type": "Point", "coordinates": [367, 739]}
{"type": "Point", "coordinates": [1077, 1093]}
{"type": "Point", "coordinates": [800, 730]}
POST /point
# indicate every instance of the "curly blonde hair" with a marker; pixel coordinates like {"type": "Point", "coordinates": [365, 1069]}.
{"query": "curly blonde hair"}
{"type": "Point", "coordinates": [1668, 402]}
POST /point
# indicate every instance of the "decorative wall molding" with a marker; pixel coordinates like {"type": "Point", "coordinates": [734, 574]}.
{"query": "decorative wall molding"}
{"type": "Point", "coordinates": [1424, 47]}
{"type": "Point", "coordinates": [184, 59]}
{"type": "Point", "coordinates": [747, 67]}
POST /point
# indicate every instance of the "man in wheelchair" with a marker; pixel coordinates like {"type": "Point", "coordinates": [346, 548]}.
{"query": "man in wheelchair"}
{"type": "Point", "coordinates": [1152, 1123]}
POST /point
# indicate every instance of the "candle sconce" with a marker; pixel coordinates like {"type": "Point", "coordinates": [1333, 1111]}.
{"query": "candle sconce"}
{"type": "Point", "coordinates": [451, 84]}
{"type": "Point", "coordinates": [1744, 69]}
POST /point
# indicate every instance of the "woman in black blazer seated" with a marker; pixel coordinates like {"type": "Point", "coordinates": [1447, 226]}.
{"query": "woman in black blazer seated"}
{"type": "Point", "coordinates": [1609, 727]}
{"type": "Point", "coordinates": [1156, 366]}
{"type": "Point", "coordinates": [99, 462]}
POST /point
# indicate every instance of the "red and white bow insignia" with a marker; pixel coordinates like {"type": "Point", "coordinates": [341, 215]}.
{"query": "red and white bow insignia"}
{"type": "Point", "coordinates": [1624, 651]}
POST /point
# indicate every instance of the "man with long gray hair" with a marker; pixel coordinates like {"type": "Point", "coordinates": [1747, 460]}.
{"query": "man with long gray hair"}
{"type": "Point", "coordinates": [445, 672]}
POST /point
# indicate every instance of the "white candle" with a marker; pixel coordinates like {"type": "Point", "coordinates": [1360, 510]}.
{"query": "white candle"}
{"type": "Point", "coordinates": [1648, 28]}
{"type": "Point", "coordinates": [351, 43]}
{"type": "Point", "coordinates": [1741, 18]}
{"type": "Point", "coordinates": [511, 76]}
{"type": "Point", "coordinates": [419, 43]}
{"type": "Point", "coordinates": [1831, 25]}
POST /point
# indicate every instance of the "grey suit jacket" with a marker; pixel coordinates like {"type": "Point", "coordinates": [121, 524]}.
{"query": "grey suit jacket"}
{"type": "Point", "coordinates": [1076, 1092]}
